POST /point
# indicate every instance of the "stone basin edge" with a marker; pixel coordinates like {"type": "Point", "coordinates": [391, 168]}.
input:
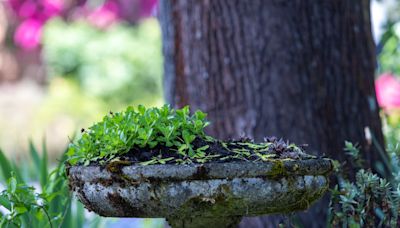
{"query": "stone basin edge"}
{"type": "Point", "coordinates": [172, 172]}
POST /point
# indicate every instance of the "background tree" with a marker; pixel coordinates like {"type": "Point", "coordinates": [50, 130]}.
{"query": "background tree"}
{"type": "Point", "coordinates": [302, 70]}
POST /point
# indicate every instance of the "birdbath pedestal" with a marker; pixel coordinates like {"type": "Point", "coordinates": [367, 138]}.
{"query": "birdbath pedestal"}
{"type": "Point", "coordinates": [201, 195]}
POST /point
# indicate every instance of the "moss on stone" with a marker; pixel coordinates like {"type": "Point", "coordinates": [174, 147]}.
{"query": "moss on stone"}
{"type": "Point", "coordinates": [115, 166]}
{"type": "Point", "coordinates": [277, 170]}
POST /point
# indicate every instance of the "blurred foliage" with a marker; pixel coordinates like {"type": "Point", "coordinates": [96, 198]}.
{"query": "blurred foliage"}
{"type": "Point", "coordinates": [391, 128]}
{"type": "Point", "coordinates": [388, 48]}
{"type": "Point", "coordinates": [65, 110]}
{"type": "Point", "coordinates": [33, 195]}
{"type": "Point", "coordinates": [61, 91]}
{"type": "Point", "coordinates": [121, 64]}
{"type": "Point", "coordinates": [389, 56]}
{"type": "Point", "coordinates": [369, 201]}
{"type": "Point", "coordinates": [81, 110]}
{"type": "Point", "coordinates": [41, 199]}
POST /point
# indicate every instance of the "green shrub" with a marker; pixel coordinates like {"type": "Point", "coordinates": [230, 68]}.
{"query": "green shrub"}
{"type": "Point", "coordinates": [370, 201]}
{"type": "Point", "coordinates": [122, 64]}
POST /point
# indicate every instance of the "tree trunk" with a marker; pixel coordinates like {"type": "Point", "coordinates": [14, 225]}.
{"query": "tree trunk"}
{"type": "Point", "coordinates": [302, 70]}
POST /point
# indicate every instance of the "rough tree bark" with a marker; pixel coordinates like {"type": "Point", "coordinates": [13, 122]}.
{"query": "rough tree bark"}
{"type": "Point", "coordinates": [301, 69]}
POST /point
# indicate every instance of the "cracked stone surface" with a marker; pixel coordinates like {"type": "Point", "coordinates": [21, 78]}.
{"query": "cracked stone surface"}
{"type": "Point", "coordinates": [182, 193]}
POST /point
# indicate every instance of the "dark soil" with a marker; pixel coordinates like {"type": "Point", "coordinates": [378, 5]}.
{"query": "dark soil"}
{"type": "Point", "coordinates": [220, 151]}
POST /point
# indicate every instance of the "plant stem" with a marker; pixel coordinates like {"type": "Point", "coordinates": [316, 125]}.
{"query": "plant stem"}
{"type": "Point", "coordinates": [47, 215]}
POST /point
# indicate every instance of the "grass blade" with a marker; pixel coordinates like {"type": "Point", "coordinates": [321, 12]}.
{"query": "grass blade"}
{"type": "Point", "coordinates": [43, 166]}
{"type": "Point", "coordinates": [17, 172]}
{"type": "Point", "coordinates": [34, 155]}
{"type": "Point", "coordinates": [5, 166]}
{"type": "Point", "coordinates": [80, 215]}
{"type": "Point", "coordinates": [67, 218]}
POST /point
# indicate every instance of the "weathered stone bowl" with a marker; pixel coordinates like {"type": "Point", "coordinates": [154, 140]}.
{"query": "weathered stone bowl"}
{"type": "Point", "coordinates": [200, 195]}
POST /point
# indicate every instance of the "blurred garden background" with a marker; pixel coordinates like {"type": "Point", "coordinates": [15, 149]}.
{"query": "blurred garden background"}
{"type": "Point", "coordinates": [65, 63]}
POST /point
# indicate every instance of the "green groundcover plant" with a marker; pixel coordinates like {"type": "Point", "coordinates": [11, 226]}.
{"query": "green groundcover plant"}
{"type": "Point", "coordinates": [143, 128]}
{"type": "Point", "coordinates": [167, 135]}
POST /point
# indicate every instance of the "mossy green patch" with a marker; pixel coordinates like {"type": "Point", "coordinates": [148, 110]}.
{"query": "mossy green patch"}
{"type": "Point", "coordinates": [277, 169]}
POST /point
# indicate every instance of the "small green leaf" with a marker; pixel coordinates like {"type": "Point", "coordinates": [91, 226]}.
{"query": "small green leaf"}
{"type": "Point", "coordinates": [20, 209]}
{"type": "Point", "coordinates": [203, 148]}
{"type": "Point", "coordinates": [13, 184]}
{"type": "Point", "coordinates": [141, 109]}
{"type": "Point", "coordinates": [5, 202]}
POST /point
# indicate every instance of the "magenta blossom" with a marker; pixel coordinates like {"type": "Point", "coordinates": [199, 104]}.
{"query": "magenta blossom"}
{"type": "Point", "coordinates": [28, 34]}
{"type": "Point", "coordinates": [104, 15]}
{"type": "Point", "coordinates": [387, 89]}
{"type": "Point", "coordinates": [41, 10]}
{"type": "Point", "coordinates": [27, 9]}
{"type": "Point", "coordinates": [52, 8]}
{"type": "Point", "coordinates": [33, 14]}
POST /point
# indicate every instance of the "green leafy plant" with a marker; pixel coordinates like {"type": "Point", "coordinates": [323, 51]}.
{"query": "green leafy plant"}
{"type": "Point", "coordinates": [118, 133]}
{"type": "Point", "coordinates": [48, 204]}
{"type": "Point", "coordinates": [370, 201]}
{"type": "Point", "coordinates": [164, 135]}
{"type": "Point", "coordinates": [19, 199]}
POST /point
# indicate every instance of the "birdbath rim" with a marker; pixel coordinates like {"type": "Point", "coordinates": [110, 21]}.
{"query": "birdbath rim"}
{"type": "Point", "coordinates": [273, 168]}
{"type": "Point", "coordinates": [196, 195]}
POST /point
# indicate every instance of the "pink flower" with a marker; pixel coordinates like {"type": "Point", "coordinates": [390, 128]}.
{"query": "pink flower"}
{"type": "Point", "coordinates": [52, 8]}
{"type": "Point", "coordinates": [27, 9]}
{"type": "Point", "coordinates": [28, 34]}
{"type": "Point", "coordinates": [104, 15]}
{"type": "Point", "coordinates": [387, 89]}
{"type": "Point", "coordinates": [43, 9]}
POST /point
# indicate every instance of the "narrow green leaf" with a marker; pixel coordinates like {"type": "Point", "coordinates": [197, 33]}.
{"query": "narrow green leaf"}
{"type": "Point", "coordinates": [69, 219]}
{"type": "Point", "coordinates": [17, 172]}
{"type": "Point", "coordinates": [34, 155]}
{"type": "Point", "coordinates": [43, 166]}
{"type": "Point", "coordinates": [80, 215]}
{"type": "Point", "coordinates": [5, 166]}
{"type": "Point", "coordinates": [203, 148]}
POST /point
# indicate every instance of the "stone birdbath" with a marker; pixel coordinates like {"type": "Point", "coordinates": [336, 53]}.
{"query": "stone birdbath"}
{"type": "Point", "coordinates": [147, 164]}
{"type": "Point", "coordinates": [201, 195]}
